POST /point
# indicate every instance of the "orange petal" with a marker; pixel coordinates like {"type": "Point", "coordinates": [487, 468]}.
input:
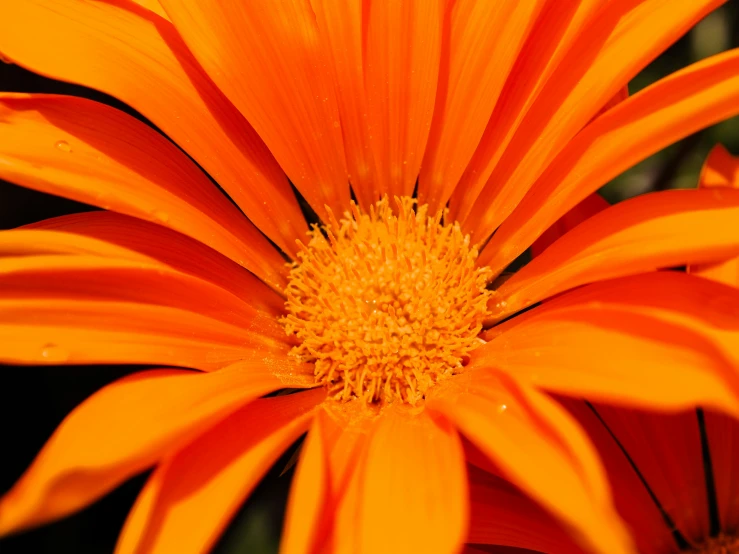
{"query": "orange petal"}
{"type": "Point", "coordinates": [679, 105]}
{"type": "Point", "coordinates": [559, 24]}
{"type": "Point", "coordinates": [651, 531]}
{"type": "Point", "coordinates": [124, 428]}
{"type": "Point", "coordinates": [92, 153]}
{"type": "Point", "coordinates": [587, 208]}
{"type": "Point", "coordinates": [667, 450]}
{"type": "Point", "coordinates": [269, 60]}
{"type": "Point", "coordinates": [502, 515]}
{"type": "Point", "coordinates": [517, 428]}
{"type": "Point", "coordinates": [192, 496]}
{"type": "Point", "coordinates": [403, 46]}
{"type": "Point", "coordinates": [137, 238]}
{"type": "Point", "coordinates": [308, 494]}
{"type": "Point", "coordinates": [469, 86]}
{"type": "Point", "coordinates": [645, 233]}
{"type": "Point", "coordinates": [60, 331]}
{"type": "Point", "coordinates": [340, 33]}
{"type": "Point", "coordinates": [614, 47]}
{"type": "Point", "coordinates": [723, 441]}
{"type": "Point", "coordinates": [614, 354]}
{"type": "Point", "coordinates": [128, 52]}
{"type": "Point", "coordinates": [720, 170]}
{"type": "Point", "coordinates": [94, 278]}
{"type": "Point", "coordinates": [410, 483]}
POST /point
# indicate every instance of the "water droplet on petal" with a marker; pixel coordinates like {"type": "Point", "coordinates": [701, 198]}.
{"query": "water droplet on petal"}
{"type": "Point", "coordinates": [63, 145]}
{"type": "Point", "coordinates": [502, 408]}
{"type": "Point", "coordinates": [51, 352]}
{"type": "Point", "coordinates": [161, 216]}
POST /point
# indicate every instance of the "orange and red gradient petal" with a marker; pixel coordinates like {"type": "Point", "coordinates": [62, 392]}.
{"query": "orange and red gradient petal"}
{"type": "Point", "coordinates": [720, 170]}
{"type": "Point", "coordinates": [649, 526]}
{"type": "Point", "coordinates": [309, 494]}
{"type": "Point", "coordinates": [191, 497]}
{"type": "Point", "coordinates": [672, 108]}
{"type": "Point", "coordinates": [94, 278]}
{"type": "Point", "coordinates": [403, 48]}
{"type": "Point", "coordinates": [269, 60]}
{"type": "Point", "coordinates": [410, 484]}
{"type": "Point", "coordinates": [95, 154]}
{"type": "Point", "coordinates": [501, 514]}
{"type": "Point", "coordinates": [124, 428]}
{"type": "Point", "coordinates": [667, 450]}
{"type": "Point", "coordinates": [469, 86]}
{"type": "Point", "coordinates": [119, 236]}
{"type": "Point", "coordinates": [654, 231]}
{"type": "Point", "coordinates": [723, 442]}
{"type": "Point", "coordinates": [560, 22]}
{"type": "Point", "coordinates": [518, 427]}
{"type": "Point", "coordinates": [75, 331]}
{"type": "Point", "coordinates": [614, 47]}
{"type": "Point", "coordinates": [612, 354]}
{"type": "Point", "coordinates": [128, 52]}
{"type": "Point", "coordinates": [340, 28]}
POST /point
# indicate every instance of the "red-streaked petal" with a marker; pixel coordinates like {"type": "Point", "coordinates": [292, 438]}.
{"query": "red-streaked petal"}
{"type": "Point", "coordinates": [129, 52]}
{"type": "Point", "coordinates": [124, 428]}
{"type": "Point", "coordinates": [403, 47]}
{"type": "Point", "coordinates": [650, 530]}
{"type": "Point", "coordinates": [340, 28]}
{"type": "Point", "coordinates": [667, 450]}
{"type": "Point", "coordinates": [517, 428]}
{"type": "Point", "coordinates": [587, 208]}
{"type": "Point", "coordinates": [92, 153]}
{"type": "Point", "coordinates": [31, 242]}
{"type": "Point", "coordinates": [502, 515]}
{"type": "Point", "coordinates": [616, 354]}
{"type": "Point", "coordinates": [137, 237]}
{"type": "Point", "coordinates": [93, 278]}
{"type": "Point", "coordinates": [649, 232]}
{"type": "Point", "coordinates": [723, 442]}
{"type": "Point", "coordinates": [558, 25]}
{"type": "Point", "coordinates": [672, 108]}
{"type": "Point", "coordinates": [469, 86]}
{"type": "Point", "coordinates": [411, 483]}
{"type": "Point", "coordinates": [268, 59]}
{"type": "Point", "coordinates": [102, 332]}
{"type": "Point", "coordinates": [192, 496]}
{"type": "Point", "coordinates": [614, 47]}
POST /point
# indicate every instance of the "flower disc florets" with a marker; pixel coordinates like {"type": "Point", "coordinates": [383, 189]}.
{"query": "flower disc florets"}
{"type": "Point", "coordinates": [386, 304]}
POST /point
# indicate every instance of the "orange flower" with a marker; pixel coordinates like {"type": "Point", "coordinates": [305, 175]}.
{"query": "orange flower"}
{"type": "Point", "coordinates": [511, 113]}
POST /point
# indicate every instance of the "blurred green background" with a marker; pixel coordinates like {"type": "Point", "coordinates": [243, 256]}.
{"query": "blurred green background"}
{"type": "Point", "coordinates": [34, 400]}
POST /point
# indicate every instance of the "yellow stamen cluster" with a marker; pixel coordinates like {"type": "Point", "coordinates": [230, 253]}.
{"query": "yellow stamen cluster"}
{"type": "Point", "coordinates": [386, 304]}
{"type": "Point", "coordinates": [722, 544]}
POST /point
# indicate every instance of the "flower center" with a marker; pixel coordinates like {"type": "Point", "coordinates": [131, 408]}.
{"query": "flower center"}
{"type": "Point", "coordinates": [386, 304]}
{"type": "Point", "coordinates": [723, 544]}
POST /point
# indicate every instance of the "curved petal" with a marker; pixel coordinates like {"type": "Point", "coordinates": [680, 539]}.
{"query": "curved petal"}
{"type": "Point", "coordinates": [128, 52]}
{"type": "Point", "coordinates": [28, 242]}
{"type": "Point", "coordinates": [124, 428]}
{"type": "Point", "coordinates": [192, 495]}
{"type": "Point", "coordinates": [672, 108]}
{"type": "Point", "coordinates": [615, 46]}
{"type": "Point", "coordinates": [403, 47]}
{"type": "Point", "coordinates": [517, 428]}
{"type": "Point", "coordinates": [90, 277]}
{"type": "Point", "coordinates": [412, 484]}
{"type": "Point", "coordinates": [612, 354]}
{"type": "Point", "coordinates": [137, 238]}
{"type": "Point", "coordinates": [93, 153]}
{"type": "Point", "coordinates": [268, 59]}
{"type": "Point", "coordinates": [502, 515]}
{"type": "Point", "coordinates": [645, 233]}
{"type": "Point", "coordinates": [558, 26]}
{"type": "Point", "coordinates": [469, 86]}
{"type": "Point", "coordinates": [79, 331]}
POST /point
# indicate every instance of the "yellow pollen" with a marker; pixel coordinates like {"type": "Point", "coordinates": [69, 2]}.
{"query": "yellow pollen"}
{"type": "Point", "coordinates": [722, 544]}
{"type": "Point", "coordinates": [386, 304]}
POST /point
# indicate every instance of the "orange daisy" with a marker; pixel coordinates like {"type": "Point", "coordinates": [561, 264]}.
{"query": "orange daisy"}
{"type": "Point", "coordinates": [464, 130]}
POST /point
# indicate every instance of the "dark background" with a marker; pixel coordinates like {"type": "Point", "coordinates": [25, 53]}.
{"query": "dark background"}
{"type": "Point", "coordinates": [33, 400]}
